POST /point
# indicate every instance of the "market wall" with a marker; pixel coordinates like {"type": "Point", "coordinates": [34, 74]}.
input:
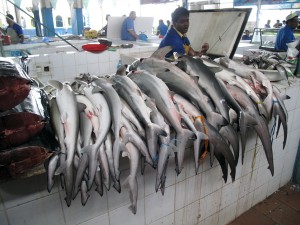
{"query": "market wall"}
{"type": "Point", "coordinates": [189, 198]}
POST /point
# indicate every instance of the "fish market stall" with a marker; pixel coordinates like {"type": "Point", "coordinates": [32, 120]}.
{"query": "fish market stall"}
{"type": "Point", "coordinates": [179, 163]}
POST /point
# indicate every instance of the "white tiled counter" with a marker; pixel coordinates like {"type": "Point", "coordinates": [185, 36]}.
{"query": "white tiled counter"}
{"type": "Point", "coordinates": [189, 199]}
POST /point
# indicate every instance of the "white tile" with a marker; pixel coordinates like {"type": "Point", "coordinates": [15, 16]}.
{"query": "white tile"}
{"type": "Point", "coordinates": [244, 204]}
{"type": "Point", "coordinates": [103, 220]}
{"type": "Point", "coordinates": [91, 58]}
{"type": "Point", "coordinates": [292, 102]}
{"type": "Point", "coordinates": [273, 184]}
{"type": "Point", "coordinates": [45, 210]}
{"type": "Point", "coordinates": [114, 56]}
{"type": "Point", "coordinates": [123, 215]}
{"type": "Point", "coordinates": [260, 194]}
{"type": "Point", "coordinates": [187, 191]}
{"type": "Point", "coordinates": [167, 220]}
{"type": "Point", "coordinates": [33, 188]}
{"type": "Point", "coordinates": [81, 69]}
{"type": "Point", "coordinates": [251, 160]}
{"type": "Point", "coordinates": [247, 183]}
{"type": "Point", "coordinates": [81, 58]}
{"type": "Point", "coordinates": [58, 73]}
{"type": "Point", "coordinates": [150, 175]}
{"type": "Point", "coordinates": [252, 140]}
{"type": "Point", "coordinates": [227, 214]}
{"type": "Point", "coordinates": [56, 60]}
{"type": "Point", "coordinates": [42, 59]}
{"type": "Point", "coordinates": [68, 59]}
{"type": "Point", "coordinates": [93, 68]}
{"type": "Point", "coordinates": [229, 194]}
{"type": "Point", "coordinates": [188, 166]}
{"type": "Point", "coordinates": [157, 206]}
{"type": "Point", "coordinates": [210, 204]}
{"type": "Point", "coordinates": [70, 73]}
{"type": "Point", "coordinates": [296, 121]}
{"type": "Point", "coordinates": [287, 170]}
{"type": "Point", "coordinates": [113, 66]}
{"type": "Point", "coordinates": [104, 68]}
{"type": "Point", "coordinates": [3, 219]}
{"type": "Point", "coordinates": [211, 181]}
{"type": "Point", "coordinates": [291, 115]}
{"type": "Point", "coordinates": [116, 200]}
{"type": "Point", "coordinates": [263, 175]}
{"type": "Point", "coordinates": [293, 142]}
{"type": "Point", "coordinates": [212, 220]}
{"type": "Point", "coordinates": [94, 207]}
{"type": "Point", "coordinates": [103, 57]}
{"type": "Point", "coordinates": [188, 215]}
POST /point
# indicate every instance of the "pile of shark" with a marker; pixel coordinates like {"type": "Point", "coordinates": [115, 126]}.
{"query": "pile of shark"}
{"type": "Point", "coordinates": [149, 111]}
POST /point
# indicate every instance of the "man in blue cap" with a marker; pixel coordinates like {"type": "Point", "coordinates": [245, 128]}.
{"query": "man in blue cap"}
{"type": "Point", "coordinates": [127, 30]}
{"type": "Point", "coordinates": [176, 36]}
{"type": "Point", "coordinates": [286, 34]}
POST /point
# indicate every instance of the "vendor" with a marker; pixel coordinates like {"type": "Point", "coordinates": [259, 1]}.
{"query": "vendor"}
{"type": "Point", "coordinates": [176, 36]}
{"type": "Point", "coordinates": [286, 34]}
{"type": "Point", "coordinates": [161, 29]}
{"type": "Point", "coordinates": [14, 30]}
{"type": "Point", "coordinates": [127, 29]}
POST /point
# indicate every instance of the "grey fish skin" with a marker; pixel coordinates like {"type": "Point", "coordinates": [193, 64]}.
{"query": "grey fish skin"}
{"type": "Point", "coordinates": [129, 115]}
{"type": "Point", "coordinates": [157, 89]}
{"type": "Point", "coordinates": [104, 167]}
{"type": "Point", "coordinates": [67, 105]}
{"type": "Point", "coordinates": [261, 127]}
{"type": "Point", "coordinates": [53, 162]}
{"type": "Point", "coordinates": [102, 111]}
{"type": "Point", "coordinates": [165, 148]}
{"type": "Point", "coordinates": [248, 73]}
{"type": "Point", "coordinates": [183, 84]}
{"type": "Point", "coordinates": [99, 183]}
{"type": "Point", "coordinates": [133, 137]}
{"type": "Point", "coordinates": [218, 145]}
{"type": "Point", "coordinates": [278, 111]}
{"type": "Point", "coordinates": [231, 135]}
{"type": "Point", "coordinates": [85, 130]}
{"type": "Point", "coordinates": [84, 192]}
{"type": "Point", "coordinates": [132, 94]}
{"type": "Point", "coordinates": [208, 82]}
{"type": "Point", "coordinates": [82, 165]}
{"type": "Point", "coordinates": [131, 180]}
{"type": "Point", "coordinates": [114, 104]}
{"type": "Point", "coordinates": [199, 136]}
{"type": "Point", "coordinates": [110, 159]}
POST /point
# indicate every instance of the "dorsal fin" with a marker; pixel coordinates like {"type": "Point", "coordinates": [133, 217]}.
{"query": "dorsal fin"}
{"type": "Point", "coordinates": [161, 52]}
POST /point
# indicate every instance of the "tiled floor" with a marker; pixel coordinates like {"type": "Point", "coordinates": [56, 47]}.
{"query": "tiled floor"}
{"type": "Point", "coordinates": [281, 208]}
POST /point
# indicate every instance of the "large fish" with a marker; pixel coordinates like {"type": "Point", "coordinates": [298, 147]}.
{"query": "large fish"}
{"type": "Point", "coordinates": [261, 127]}
{"type": "Point", "coordinates": [218, 146]}
{"type": "Point", "coordinates": [132, 94]}
{"type": "Point", "coordinates": [251, 73]}
{"type": "Point", "coordinates": [158, 90]}
{"type": "Point", "coordinates": [166, 148]}
{"type": "Point", "coordinates": [131, 180]}
{"type": "Point", "coordinates": [230, 77]}
{"type": "Point", "coordinates": [67, 105]}
{"type": "Point", "coordinates": [101, 110]}
{"type": "Point", "coordinates": [105, 86]}
{"type": "Point", "coordinates": [181, 83]}
{"type": "Point", "coordinates": [207, 81]}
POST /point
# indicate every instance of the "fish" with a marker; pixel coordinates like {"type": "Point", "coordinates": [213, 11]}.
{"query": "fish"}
{"type": "Point", "coordinates": [250, 73]}
{"type": "Point", "coordinates": [101, 110]}
{"type": "Point", "coordinates": [158, 90]}
{"type": "Point", "coordinates": [131, 180]}
{"type": "Point", "coordinates": [132, 94]}
{"type": "Point", "coordinates": [67, 105]}
{"type": "Point", "coordinates": [218, 146]}
{"type": "Point", "coordinates": [50, 168]}
{"type": "Point", "coordinates": [13, 91]}
{"type": "Point", "coordinates": [166, 147]}
{"type": "Point", "coordinates": [18, 128]}
{"type": "Point", "coordinates": [105, 86]}
{"type": "Point", "coordinates": [261, 127]}
{"type": "Point", "coordinates": [208, 82]}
